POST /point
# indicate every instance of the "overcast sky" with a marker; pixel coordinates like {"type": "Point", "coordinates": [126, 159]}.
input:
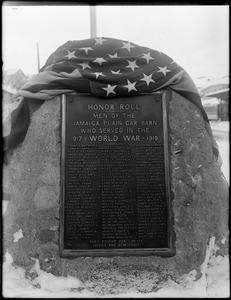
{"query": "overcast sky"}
{"type": "Point", "coordinates": [196, 37]}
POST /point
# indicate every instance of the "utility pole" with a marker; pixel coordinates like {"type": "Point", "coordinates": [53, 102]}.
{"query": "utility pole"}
{"type": "Point", "coordinates": [93, 21]}
{"type": "Point", "coordinates": [38, 57]}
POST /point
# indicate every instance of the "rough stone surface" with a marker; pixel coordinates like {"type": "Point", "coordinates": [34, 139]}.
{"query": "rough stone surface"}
{"type": "Point", "coordinates": [31, 183]}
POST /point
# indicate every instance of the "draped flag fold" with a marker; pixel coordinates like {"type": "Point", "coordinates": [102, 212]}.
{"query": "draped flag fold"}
{"type": "Point", "coordinates": [103, 67]}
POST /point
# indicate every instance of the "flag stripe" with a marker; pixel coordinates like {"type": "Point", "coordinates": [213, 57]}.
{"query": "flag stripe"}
{"type": "Point", "coordinates": [78, 85]}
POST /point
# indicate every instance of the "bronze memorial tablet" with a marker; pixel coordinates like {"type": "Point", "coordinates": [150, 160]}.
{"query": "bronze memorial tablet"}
{"type": "Point", "coordinates": [115, 177]}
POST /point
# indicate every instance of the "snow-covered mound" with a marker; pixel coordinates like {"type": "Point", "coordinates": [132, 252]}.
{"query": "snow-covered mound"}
{"type": "Point", "coordinates": [214, 282]}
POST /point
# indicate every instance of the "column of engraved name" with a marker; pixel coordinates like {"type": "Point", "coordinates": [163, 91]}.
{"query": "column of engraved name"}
{"type": "Point", "coordinates": [82, 193]}
{"type": "Point", "coordinates": [151, 198]}
{"type": "Point", "coordinates": [118, 222]}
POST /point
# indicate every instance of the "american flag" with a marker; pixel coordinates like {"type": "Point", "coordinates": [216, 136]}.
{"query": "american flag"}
{"type": "Point", "coordinates": [103, 67]}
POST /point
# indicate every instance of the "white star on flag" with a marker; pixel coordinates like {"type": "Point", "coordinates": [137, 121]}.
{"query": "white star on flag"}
{"type": "Point", "coordinates": [147, 57]}
{"type": "Point", "coordinates": [97, 74]}
{"type": "Point", "coordinates": [86, 49]}
{"type": "Point", "coordinates": [131, 86]}
{"type": "Point", "coordinates": [147, 79]}
{"type": "Point", "coordinates": [163, 70]}
{"type": "Point", "coordinates": [115, 72]}
{"type": "Point", "coordinates": [99, 60]}
{"type": "Point", "coordinates": [113, 56]}
{"type": "Point", "coordinates": [127, 46]}
{"type": "Point", "coordinates": [132, 65]}
{"type": "Point", "coordinates": [85, 65]}
{"type": "Point", "coordinates": [70, 54]}
{"type": "Point", "coordinates": [99, 41]}
{"type": "Point", "coordinates": [110, 89]}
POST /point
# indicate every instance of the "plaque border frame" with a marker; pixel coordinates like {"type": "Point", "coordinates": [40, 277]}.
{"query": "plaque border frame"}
{"type": "Point", "coordinates": [163, 252]}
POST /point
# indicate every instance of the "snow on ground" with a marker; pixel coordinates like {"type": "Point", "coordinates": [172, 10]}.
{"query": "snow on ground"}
{"type": "Point", "coordinates": [221, 135]}
{"type": "Point", "coordinates": [214, 282]}
{"type": "Point", "coordinates": [224, 152]}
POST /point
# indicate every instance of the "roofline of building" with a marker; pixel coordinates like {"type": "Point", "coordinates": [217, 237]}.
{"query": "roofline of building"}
{"type": "Point", "coordinates": [224, 92]}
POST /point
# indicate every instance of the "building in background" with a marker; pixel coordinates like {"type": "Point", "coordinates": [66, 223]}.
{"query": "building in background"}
{"type": "Point", "coordinates": [215, 98]}
{"type": "Point", "coordinates": [222, 108]}
{"type": "Point", "coordinates": [13, 80]}
{"type": "Point", "coordinates": [7, 93]}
